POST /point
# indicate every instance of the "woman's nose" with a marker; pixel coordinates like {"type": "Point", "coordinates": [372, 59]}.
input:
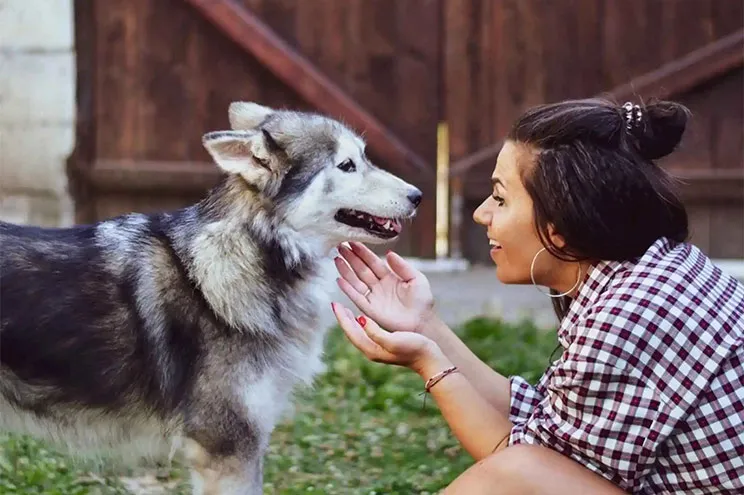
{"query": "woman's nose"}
{"type": "Point", "coordinates": [481, 215]}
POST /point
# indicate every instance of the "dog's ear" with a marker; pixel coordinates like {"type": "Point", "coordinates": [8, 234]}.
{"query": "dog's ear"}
{"type": "Point", "coordinates": [247, 153]}
{"type": "Point", "coordinates": [247, 115]}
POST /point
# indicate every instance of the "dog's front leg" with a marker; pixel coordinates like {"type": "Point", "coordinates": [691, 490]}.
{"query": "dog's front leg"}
{"type": "Point", "coordinates": [212, 473]}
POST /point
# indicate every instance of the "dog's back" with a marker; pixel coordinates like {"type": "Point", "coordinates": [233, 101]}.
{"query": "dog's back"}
{"type": "Point", "coordinates": [78, 315]}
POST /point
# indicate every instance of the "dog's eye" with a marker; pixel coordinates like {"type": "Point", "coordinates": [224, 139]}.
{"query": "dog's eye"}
{"type": "Point", "coordinates": [347, 166]}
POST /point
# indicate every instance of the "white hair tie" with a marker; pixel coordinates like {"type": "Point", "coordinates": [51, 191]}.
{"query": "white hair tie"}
{"type": "Point", "coordinates": [633, 115]}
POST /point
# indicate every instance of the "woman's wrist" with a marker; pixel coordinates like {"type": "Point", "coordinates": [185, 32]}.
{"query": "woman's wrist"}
{"type": "Point", "coordinates": [432, 361]}
{"type": "Point", "coordinates": [430, 326]}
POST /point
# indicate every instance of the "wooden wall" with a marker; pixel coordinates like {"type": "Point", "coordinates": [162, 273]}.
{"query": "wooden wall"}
{"type": "Point", "coordinates": [503, 56]}
{"type": "Point", "coordinates": [153, 76]}
{"type": "Point", "coordinates": [156, 75]}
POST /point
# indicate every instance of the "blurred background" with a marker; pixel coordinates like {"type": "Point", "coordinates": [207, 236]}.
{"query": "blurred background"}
{"type": "Point", "coordinates": [103, 104]}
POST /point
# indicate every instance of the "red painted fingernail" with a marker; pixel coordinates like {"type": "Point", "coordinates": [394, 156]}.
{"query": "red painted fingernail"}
{"type": "Point", "coordinates": [362, 320]}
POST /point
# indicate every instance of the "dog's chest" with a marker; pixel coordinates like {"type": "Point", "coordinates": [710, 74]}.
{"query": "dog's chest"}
{"type": "Point", "coordinates": [307, 309]}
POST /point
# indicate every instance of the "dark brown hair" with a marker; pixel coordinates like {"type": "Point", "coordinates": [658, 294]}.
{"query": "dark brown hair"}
{"type": "Point", "coordinates": [595, 181]}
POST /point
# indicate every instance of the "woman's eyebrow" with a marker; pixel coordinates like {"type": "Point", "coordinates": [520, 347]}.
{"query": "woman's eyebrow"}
{"type": "Point", "coordinates": [496, 181]}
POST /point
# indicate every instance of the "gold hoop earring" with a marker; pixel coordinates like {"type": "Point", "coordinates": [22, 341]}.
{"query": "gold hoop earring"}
{"type": "Point", "coordinates": [532, 277]}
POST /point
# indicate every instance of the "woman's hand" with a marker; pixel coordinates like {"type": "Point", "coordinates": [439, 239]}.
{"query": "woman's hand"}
{"type": "Point", "coordinates": [398, 297]}
{"type": "Point", "coordinates": [408, 349]}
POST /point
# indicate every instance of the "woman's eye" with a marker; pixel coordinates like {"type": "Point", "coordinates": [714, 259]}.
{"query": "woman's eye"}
{"type": "Point", "coordinates": [347, 166]}
{"type": "Point", "coordinates": [499, 200]}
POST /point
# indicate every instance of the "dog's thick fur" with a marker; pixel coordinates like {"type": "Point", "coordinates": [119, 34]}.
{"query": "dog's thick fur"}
{"type": "Point", "coordinates": [194, 324]}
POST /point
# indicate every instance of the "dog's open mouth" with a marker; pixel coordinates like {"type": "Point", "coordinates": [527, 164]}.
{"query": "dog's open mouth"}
{"type": "Point", "coordinates": [386, 228]}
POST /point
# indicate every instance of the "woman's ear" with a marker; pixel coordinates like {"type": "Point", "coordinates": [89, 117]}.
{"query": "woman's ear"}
{"type": "Point", "coordinates": [555, 238]}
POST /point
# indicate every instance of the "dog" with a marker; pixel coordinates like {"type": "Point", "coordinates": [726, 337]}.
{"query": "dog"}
{"type": "Point", "coordinates": [193, 327]}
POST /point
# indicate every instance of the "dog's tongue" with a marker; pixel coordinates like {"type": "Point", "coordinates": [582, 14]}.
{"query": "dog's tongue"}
{"type": "Point", "coordinates": [379, 220]}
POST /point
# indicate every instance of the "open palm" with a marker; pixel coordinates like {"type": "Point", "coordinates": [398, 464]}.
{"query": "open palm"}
{"type": "Point", "coordinates": [397, 296]}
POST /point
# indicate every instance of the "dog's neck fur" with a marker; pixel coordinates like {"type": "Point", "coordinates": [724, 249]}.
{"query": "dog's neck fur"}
{"type": "Point", "coordinates": [232, 227]}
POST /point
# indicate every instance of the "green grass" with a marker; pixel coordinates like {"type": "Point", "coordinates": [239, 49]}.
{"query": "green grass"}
{"type": "Point", "coordinates": [361, 430]}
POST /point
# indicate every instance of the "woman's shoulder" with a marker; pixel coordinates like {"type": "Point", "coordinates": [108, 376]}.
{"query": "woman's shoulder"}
{"type": "Point", "coordinates": [669, 317]}
{"type": "Point", "coordinates": [672, 272]}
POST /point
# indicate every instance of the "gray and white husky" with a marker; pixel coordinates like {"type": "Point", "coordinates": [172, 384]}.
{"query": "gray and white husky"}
{"type": "Point", "coordinates": [195, 324]}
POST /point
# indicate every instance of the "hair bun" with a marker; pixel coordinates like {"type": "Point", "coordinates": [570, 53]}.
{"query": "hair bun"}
{"type": "Point", "coordinates": [659, 129]}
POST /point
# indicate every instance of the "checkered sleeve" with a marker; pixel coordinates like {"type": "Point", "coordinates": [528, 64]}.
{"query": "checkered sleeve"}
{"type": "Point", "coordinates": [524, 399]}
{"type": "Point", "coordinates": [598, 415]}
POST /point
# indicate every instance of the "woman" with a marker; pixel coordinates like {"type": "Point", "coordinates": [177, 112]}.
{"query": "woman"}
{"type": "Point", "coordinates": [647, 396]}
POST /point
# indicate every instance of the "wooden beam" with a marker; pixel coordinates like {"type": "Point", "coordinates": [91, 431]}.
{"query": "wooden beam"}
{"type": "Point", "coordinates": [683, 74]}
{"type": "Point", "coordinates": [670, 79]}
{"type": "Point", "coordinates": [84, 150]}
{"type": "Point", "coordinates": [254, 36]}
{"type": "Point", "coordinates": [483, 155]}
{"type": "Point", "coordinates": [711, 185]}
{"type": "Point", "coordinates": [143, 176]}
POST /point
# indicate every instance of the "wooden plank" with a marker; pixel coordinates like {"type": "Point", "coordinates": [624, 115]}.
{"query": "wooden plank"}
{"type": "Point", "coordinates": [296, 71]}
{"type": "Point", "coordinates": [118, 31]}
{"type": "Point", "coordinates": [168, 80]}
{"type": "Point", "coordinates": [456, 73]}
{"type": "Point", "coordinates": [418, 54]}
{"type": "Point", "coordinates": [84, 150]}
{"type": "Point", "coordinates": [572, 37]}
{"type": "Point", "coordinates": [727, 16]}
{"type": "Point", "coordinates": [285, 18]}
{"type": "Point", "coordinates": [624, 41]}
{"type": "Point", "coordinates": [727, 106]}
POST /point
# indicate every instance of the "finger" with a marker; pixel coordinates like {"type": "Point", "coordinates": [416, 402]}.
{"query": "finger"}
{"type": "Point", "coordinates": [378, 267]}
{"type": "Point", "coordinates": [357, 336]}
{"type": "Point", "coordinates": [401, 267]}
{"type": "Point", "coordinates": [354, 331]}
{"type": "Point", "coordinates": [358, 299]}
{"type": "Point", "coordinates": [359, 267]}
{"type": "Point", "coordinates": [384, 339]}
{"type": "Point", "coordinates": [349, 275]}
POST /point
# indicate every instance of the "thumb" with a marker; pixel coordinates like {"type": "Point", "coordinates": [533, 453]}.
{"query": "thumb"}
{"type": "Point", "coordinates": [401, 267]}
{"type": "Point", "coordinates": [376, 334]}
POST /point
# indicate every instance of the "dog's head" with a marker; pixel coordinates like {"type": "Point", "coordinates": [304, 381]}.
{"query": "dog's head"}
{"type": "Point", "coordinates": [313, 172]}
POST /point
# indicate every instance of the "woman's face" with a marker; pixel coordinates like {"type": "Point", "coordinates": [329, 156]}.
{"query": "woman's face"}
{"type": "Point", "coordinates": [508, 217]}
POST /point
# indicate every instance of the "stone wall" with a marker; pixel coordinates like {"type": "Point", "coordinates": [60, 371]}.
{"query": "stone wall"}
{"type": "Point", "coordinates": [37, 110]}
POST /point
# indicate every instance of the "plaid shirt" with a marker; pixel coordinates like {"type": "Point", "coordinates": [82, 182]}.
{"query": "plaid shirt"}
{"type": "Point", "coordinates": [649, 391]}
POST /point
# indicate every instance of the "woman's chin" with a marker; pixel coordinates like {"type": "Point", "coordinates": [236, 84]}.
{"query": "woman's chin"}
{"type": "Point", "coordinates": [510, 278]}
{"type": "Point", "coordinates": [502, 273]}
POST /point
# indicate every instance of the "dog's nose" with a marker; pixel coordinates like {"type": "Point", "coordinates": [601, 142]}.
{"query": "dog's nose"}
{"type": "Point", "coordinates": [415, 197]}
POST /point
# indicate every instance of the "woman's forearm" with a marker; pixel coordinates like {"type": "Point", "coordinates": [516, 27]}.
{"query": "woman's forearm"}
{"type": "Point", "coordinates": [477, 423]}
{"type": "Point", "coordinates": [491, 385]}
